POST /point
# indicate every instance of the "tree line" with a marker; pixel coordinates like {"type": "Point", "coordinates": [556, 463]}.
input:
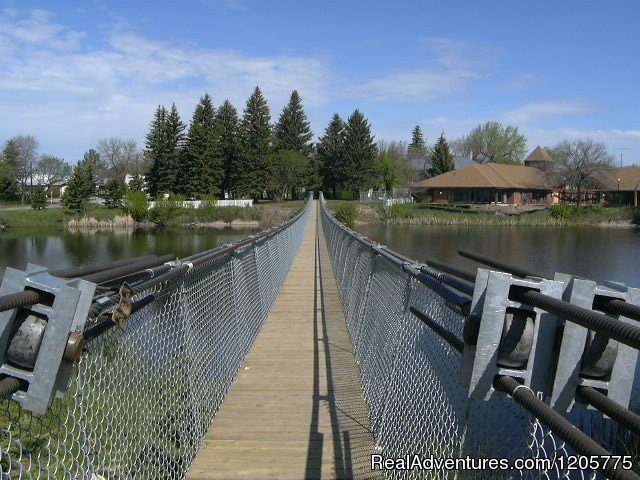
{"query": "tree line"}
{"type": "Point", "coordinates": [220, 153]}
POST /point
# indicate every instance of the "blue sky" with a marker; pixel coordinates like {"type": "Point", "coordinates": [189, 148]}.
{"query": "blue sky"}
{"type": "Point", "coordinates": [72, 73]}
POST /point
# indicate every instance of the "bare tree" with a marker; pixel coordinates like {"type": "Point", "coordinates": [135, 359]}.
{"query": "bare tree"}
{"type": "Point", "coordinates": [27, 149]}
{"type": "Point", "coordinates": [52, 170]}
{"type": "Point", "coordinates": [579, 163]}
{"type": "Point", "coordinates": [119, 154]}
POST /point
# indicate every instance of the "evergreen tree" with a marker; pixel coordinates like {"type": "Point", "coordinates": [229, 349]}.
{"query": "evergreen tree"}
{"type": "Point", "coordinates": [39, 198]}
{"type": "Point", "coordinates": [82, 184]}
{"type": "Point", "coordinates": [360, 152]}
{"type": "Point", "coordinates": [115, 193]}
{"type": "Point", "coordinates": [441, 157]}
{"type": "Point", "coordinates": [155, 152]}
{"type": "Point", "coordinates": [331, 155]}
{"type": "Point", "coordinates": [137, 184]}
{"type": "Point", "coordinates": [201, 173]}
{"type": "Point", "coordinates": [293, 131]}
{"type": "Point", "coordinates": [93, 168]}
{"type": "Point", "coordinates": [165, 151]}
{"type": "Point", "coordinates": [227, 144]}
{"type": "Point", "coordinates": [175, 152]}
{"type": "Point", "coordinates": [255, 135]}
{"type": "Point", "coordinates": [417, 148]}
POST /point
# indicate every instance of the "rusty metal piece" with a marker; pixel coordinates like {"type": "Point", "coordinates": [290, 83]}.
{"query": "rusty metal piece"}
{"type": "Point", "coordinates": [122, 312]}
{"type": "Point", "coordinates": [74, 347]}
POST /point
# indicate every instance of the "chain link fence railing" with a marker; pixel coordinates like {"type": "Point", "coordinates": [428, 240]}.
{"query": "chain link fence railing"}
{"type": "Point", "coordinates": [410, 376]}
{"type": "Point", "coordinates": [142, 398]}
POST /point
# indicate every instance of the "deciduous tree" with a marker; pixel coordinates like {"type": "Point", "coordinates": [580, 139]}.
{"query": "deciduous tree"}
{"type": "Point", "coordinates": [492, 142]}
{"type": "Point", "coordinates": [577, 164]}
{"type": "Point", "coordinates": [393, 168]}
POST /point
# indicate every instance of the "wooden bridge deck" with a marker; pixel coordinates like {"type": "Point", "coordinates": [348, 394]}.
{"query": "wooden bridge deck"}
{"type": "Point", "coordinates": [296, 408]}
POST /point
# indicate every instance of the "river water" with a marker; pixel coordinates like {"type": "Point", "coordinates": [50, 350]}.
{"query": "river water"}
{"type": "Point", "coordinates": [61, 249]}
{"type": "Point", "coordinates": [598, 253]}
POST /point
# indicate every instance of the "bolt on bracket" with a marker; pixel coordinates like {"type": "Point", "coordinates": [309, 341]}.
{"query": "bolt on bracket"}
{"type": "Point", "coordinates": [34, 339]}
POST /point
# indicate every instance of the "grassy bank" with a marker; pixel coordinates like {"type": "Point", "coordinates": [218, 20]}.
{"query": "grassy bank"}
{"type": "Point", "coordinates": [265, 215]}
{"type": "Point", "coordinates": [423, 214]}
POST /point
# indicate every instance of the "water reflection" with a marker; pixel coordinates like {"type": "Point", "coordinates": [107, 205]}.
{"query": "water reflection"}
{"type": "Point", "coordinates": [598, 253]}
{"type": "Point", "coordinates": [61, 249]}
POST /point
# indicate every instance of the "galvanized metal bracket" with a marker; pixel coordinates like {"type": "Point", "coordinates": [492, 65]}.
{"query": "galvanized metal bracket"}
{"type": "Point", "coordinates": [513, 339]}
{"type": "Point", "coordinates": [607, 365]}
{"type": "Point", "coordinates": [33, 339]}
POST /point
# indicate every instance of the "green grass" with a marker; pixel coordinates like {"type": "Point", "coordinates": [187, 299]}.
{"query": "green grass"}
{"type": "Point", "coordinates": [52, 217]}
{"type": "Point", "coordinates": [57, 218]}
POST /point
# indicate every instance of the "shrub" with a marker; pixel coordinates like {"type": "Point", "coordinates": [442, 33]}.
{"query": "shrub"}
{"type": "Point", "coordinates": [635, 219]}
{"type": "Point", "coordinates": [401, 210]}
{"type": "Point", "coordinates": [136, 205]}
{"type": "Point", "coordinates": [166, 209]}
{"type": "Point", "coordinates": [346, 213]}
{"type": "Point", "coordinates": [346, 195]}
{"type": "Point", "coordinates": [563, 212]}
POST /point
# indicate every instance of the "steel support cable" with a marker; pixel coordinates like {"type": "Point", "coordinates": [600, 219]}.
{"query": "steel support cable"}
{"type": "Point", "coordinates": [576, 439]}
{"type": "Point", "coordinates": [18, 299]}
{"type": "Point", "coordinates": [517, 271]}
{"type": "Point", "coordinates": [9, 386]}
{"type": "Point", "coordinates": [455, 271]}
{"type": "Point", "coordinates": [442, 332]}
{"type": "Point", "coordinates": [617, 412]}
{"type": "Point", "coordinates": [104, 325]}
{"type": "Point", "coordinates": [97, 267]}
{"type": "Point", "coordinates": [616, 306]}
{"type": "Point", "coordinates": [165, 277]}
{"type": "Point", "coordinates": [459, 284]}
{"type": "Point", "coordinates": [118, 272]}
{"type": "Point", "coordinates": [136, 277]}
{"type": "Point", "coordinates": [609, 305]}
{"type": "Point", "coordinates": [612, 328]}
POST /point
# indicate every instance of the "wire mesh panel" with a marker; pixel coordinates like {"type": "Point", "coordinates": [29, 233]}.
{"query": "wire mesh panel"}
{"type": "Point", "coordinates": [410, 375]}
{"type": "Point", "coordinates": [142, 398]}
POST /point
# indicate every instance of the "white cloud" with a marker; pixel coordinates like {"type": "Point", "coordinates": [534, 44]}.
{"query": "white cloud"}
{"type": "Point", "coordinates": [69, 95]}
{"type": "Point", "coordinates": [416, 86]}
{"type": "Point", "coordinates": [456, 65]}
{"type": "Point", "coordinates": [534, 111]}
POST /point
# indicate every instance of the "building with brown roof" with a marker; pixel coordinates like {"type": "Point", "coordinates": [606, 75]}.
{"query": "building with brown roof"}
{"type": "Point", "coordinates": [489, 183]}
{"type": "Point", "coordinates": [523, 185]}
{"type": "Point", "coordinates": [539, 158]}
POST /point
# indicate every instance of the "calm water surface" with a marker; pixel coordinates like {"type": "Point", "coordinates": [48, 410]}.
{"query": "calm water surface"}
{"type": "Point", "coordinates": [598, 253]}
{"type": "Point", "coordinates": [57, 249]}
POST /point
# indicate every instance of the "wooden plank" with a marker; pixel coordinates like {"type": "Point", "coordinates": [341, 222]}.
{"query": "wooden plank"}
{"type": "Point", "coordinates": [296, 408]}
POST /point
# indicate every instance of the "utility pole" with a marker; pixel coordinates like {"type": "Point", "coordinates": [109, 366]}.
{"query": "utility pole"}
{"type": "Point", "coordinates": [621, 150]}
